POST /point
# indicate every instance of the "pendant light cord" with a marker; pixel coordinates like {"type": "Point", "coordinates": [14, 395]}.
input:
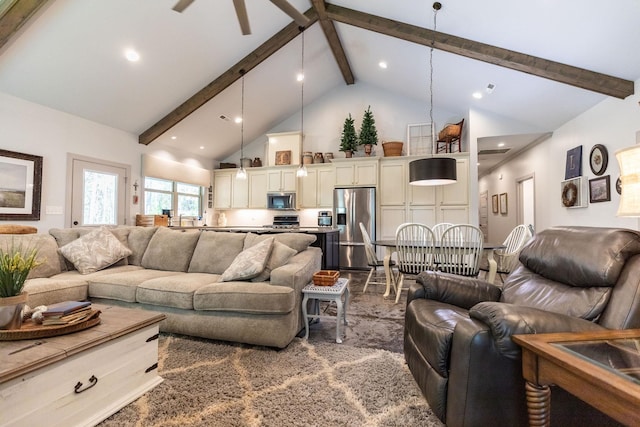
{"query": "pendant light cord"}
{"type": "Point", "coordinates": [435, 13]}
{"type": "Point", "coordinates": [242, 121]}
{"type": "Point", "coordinates": [302, 92]}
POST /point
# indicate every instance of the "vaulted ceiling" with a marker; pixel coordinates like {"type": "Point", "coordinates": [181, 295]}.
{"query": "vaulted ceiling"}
{"type": "Point", "coordinates": [549, 60]}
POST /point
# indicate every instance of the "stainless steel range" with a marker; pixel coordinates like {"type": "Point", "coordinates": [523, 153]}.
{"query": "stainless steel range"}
{"type": "Point", "coordinates": [285, 221]}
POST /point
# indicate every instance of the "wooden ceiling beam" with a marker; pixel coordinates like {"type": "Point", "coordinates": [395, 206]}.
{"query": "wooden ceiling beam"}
{"type": "Point", "coordinates": [334, 41]}
{"type": "Point", "coordinates": [14, 14]}
{"type": "Point", "coordinates": [574, 76]}
{"type": "Point", "coordinates": [226, 79]}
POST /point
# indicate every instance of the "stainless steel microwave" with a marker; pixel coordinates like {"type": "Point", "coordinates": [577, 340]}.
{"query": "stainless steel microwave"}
{"type": "Point", "coordinates": [281, 201]}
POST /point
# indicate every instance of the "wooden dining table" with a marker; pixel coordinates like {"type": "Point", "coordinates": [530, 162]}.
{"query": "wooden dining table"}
{"type": "Point", "coordinates": [390, 248]}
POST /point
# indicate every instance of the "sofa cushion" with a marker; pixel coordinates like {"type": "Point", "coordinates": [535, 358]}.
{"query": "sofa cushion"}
{"type": "Point", "coordinates": [170, 250]}
{"type": "Point", "coordinates": [173, 291]}
{"type": "Point", "coordinates": [122, 286]}
{"type": "Point", "coordinates": [138, 240]}
{"type": "Point", "coordinates": [280, 254]}
{"type": "Point", "coordinates": [216, 251]}
{"type": "Point", "coordinates": [95, 251]}
{"type": "Point", "coordinates": [45, 291]}
{"type": "Point", "coordinates": [47, 252]}
{"type": "Point", "coordinates": [245, 297]}
{"type": "Point", "coordinates": [250, 262]}
{"type": "Point", "coordinates": [297, 241]}
{"type": "Point", "coordinates": [526, 288]}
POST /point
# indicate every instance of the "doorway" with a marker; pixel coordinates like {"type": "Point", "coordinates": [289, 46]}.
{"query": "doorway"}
{"type": "Point", "coordinates": [525, 194]}
{"type": "Point", "coordinates": [98, 192]}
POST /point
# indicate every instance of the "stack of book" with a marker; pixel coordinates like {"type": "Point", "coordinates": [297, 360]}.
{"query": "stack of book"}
{"type": "Point", "coordinates": [66, 313]}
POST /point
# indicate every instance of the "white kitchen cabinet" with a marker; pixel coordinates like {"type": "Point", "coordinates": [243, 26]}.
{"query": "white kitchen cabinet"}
{"type": "Point", "coordinates": [316, 189]}
{"type": "Point", "coordinates": [356, 172]}
{"type": "Point", "coordinates": [458, 193]}
{"type": "Point", "coordinates": [257, 188]}
{"type": "Point", "coordinates": [392, 183]}
{"type": "Point", "coordinates": [281, 180]}
{"type": "Point", "coordinates": [390, 218]}
{"type": "Point", "coordinates": [229, 192]}
{"type": "Point", "coordinates": [423, 215]}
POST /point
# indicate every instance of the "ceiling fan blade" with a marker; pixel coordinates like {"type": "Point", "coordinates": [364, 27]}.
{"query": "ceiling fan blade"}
{"type": "Point", "coordinates": [182, 5]}
{"type": "Point", "coordinates": [243, 19]}
{"type": "Point", "coordinates": [286, 7]}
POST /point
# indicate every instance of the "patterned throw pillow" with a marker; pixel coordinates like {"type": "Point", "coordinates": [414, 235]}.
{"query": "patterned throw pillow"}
{"type": "Point", "coordinates": [280, 255]}
{"type": "Point", "coordinates": [94, 251]}
{"type": "Point", "coordinates": [250, 262]}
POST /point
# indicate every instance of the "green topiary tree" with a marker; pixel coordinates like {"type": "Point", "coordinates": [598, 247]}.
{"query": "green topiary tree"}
{"type": "Point", "coordinates": [368, 132]}
{"type": "Point", "coordinates": [349, 139]}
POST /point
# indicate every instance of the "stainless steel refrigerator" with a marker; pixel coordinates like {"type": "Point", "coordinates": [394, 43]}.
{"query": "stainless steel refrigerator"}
{"type": "Point", "coordinates": [352, 206]}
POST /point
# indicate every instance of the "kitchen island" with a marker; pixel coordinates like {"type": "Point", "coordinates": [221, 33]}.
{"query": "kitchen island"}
{"type": "Point", "coordinates": [327, 239]}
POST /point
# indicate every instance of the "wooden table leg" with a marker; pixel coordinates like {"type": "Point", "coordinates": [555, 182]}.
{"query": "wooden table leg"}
{"type": "Point", "coordinates": [538, 404]}
{"type": "Point", "coordinates": [493, 266]}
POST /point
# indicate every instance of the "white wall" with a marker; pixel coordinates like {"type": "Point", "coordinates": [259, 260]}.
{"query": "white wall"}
{"type": "Point", "coordinates": [324, 120]}
{"type": "Point", "coordinates": [613, 123]}
{"type": "Point", "coordinates": [30, 128]}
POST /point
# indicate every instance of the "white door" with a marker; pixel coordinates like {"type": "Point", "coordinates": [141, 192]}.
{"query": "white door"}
{"type": "Point", "coordinates": [526, 201]}
{"type": "Point", "coordinates": [98, 193]}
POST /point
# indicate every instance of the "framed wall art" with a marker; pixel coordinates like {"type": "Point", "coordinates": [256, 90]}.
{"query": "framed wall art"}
{"type": "Point", "coordinates": [20, 186]}
{"type": "Point", "coordinates": [279, 144]}
{"type": "Point", "coordinates": [598, 159]}
{"type": "Point", "coordinates": [600, 189]}
{"type": "Point", "coordinates": [574, 193]}
{"type": "Point", "coordinates": [573, 166]}
{"type": "Point", "coordinates": [503, 204]}
{"type": "Point", "coordinates": [494, 203]}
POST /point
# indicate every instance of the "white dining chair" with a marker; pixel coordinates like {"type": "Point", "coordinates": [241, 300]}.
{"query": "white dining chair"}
{"type": "Point", "coordinates": [374, 263]}
{"type": "Point", "coordinates": [414, 249]}
{"type": "Point", "coordinates": [507, 258]}
{"type": "Point", "coordinates": [439, 229]}
{"type": "Point", "coordinates": [460, 249]}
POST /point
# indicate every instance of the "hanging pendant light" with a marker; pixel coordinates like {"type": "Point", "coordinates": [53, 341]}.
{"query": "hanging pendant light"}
{"type": "Point", "coordinates": [434, 170]}
{"type": "Point", "coordinates": [302, 170]}
{"type": "Point", "coordinates": [242, 173]}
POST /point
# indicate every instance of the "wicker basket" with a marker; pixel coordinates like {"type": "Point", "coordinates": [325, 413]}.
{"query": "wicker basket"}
{"type": "Point", "coordinates": [326, 277]}
{"type": "Point", "coordinates": [392, 148]}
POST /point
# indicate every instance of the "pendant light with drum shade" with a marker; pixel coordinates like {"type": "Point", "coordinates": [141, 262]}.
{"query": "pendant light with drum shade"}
{"type": "Point", "coordinates": [302, 170]}
{"type": "Point", "coordinates": [242, 173]}
{"type": "Point", "coordinates": [433, 170]}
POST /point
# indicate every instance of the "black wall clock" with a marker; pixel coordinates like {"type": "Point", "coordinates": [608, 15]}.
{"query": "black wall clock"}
{"type": "Point", "coordinates": [598, 159]}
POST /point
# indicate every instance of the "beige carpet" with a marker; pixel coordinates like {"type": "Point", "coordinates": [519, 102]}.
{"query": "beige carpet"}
{"type": "Point", "coordinates": [362, 382]}
{"type": "Point", "coordinates": [214, 384]}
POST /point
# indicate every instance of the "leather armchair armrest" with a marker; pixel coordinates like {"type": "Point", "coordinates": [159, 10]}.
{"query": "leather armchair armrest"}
{"type": "Point", "coordinates": [464, 292]}
{"type": "Point", "coordinates": [506, 320]}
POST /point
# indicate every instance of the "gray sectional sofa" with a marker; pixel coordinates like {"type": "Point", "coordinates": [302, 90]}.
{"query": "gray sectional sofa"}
{"type": "Point", "coordinates": [180, 273]}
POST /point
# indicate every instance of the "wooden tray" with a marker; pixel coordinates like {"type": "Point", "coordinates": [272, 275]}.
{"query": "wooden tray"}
{"type": "Point", "coordinates": [31, 330]}
{"type": "Point", "coordinates": [326, 277]}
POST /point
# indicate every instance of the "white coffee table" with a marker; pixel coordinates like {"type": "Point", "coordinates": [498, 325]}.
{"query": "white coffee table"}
{"type": "Point", "coordinates": [338, 293]}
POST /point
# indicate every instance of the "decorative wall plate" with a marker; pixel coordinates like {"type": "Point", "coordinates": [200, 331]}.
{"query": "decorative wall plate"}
{"type": "Point", "coordinates": [598, 159]}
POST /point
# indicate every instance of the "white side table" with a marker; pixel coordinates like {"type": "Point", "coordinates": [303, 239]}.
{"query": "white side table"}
{"type": "Point", "coordinates": [333, 293]}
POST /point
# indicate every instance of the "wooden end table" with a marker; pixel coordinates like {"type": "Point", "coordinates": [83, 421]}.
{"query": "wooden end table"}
{"type": "Point", "coordinates": [602, 368]}
{"type": "Point", "coordinates": [334, 293]}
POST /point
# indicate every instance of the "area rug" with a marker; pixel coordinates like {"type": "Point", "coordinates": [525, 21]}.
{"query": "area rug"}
{"type": "Point", "coordinates": [209, 383]}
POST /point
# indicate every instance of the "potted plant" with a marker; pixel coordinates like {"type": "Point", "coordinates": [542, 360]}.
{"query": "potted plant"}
{"type": "Point", "coordinates": [368, 133]}
{"type": "Point", "coordinates": [16, 261]}
{"type": "Point", "coordinates": [349, 139]}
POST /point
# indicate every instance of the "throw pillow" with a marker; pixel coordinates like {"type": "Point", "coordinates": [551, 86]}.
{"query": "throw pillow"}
{"type": "Point", "coordinates": [280, 255]}
{"type": "Point", "coordinates": [250, 262]}
{"type": "Point", "coordinates": [94, 251]}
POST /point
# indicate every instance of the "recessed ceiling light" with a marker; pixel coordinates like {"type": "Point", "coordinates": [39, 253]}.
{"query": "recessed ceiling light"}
{"type": "Point", "coordinates": [477, 95]}
{"type": "Point", "coordinates": [202, 147]}
{"type": "Point", "coordinates": [382, 64]}
{"type": "Point", "coordinates": [300, 77]}
{"type": "Point", "coordinates": [132, 55]}
{"type": "Point", "coordinates": [174, 137]}
{"type": "Point", "coordinates": [501, 144]}
{"type": "Point", "coordinates": [238, 120]}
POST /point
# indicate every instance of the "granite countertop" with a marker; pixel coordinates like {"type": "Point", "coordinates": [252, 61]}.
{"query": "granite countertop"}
{"type": "Point", "coordinates": [258, 229]}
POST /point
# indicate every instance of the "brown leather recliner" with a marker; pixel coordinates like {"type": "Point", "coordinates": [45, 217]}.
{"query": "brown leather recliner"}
{"type": "Point", "coordinates": [457, 336]}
